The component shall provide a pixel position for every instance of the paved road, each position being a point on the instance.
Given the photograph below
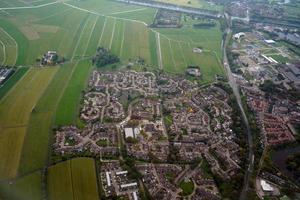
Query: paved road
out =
(236, 92)
(173, 7)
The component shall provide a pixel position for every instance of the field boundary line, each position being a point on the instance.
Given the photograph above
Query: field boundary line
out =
(16, 44)
(122, 42)
(78, 41)
(158, 51)
(50, 16)
(173, 59)
(128, 11)
(89, 40)
(184, 59)
(112, 34)
(29, 7)
(103, 28)
(4, 52)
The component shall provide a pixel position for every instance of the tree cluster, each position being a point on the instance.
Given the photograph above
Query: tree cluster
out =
(104, 57)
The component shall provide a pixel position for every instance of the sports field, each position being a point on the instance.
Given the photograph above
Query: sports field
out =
(73, 179)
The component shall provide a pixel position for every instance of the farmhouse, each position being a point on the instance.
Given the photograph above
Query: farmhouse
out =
(50, 58)
(193, 71)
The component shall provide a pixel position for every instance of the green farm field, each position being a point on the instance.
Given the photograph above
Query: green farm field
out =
(15, 110)
(20, 189)
(73, 179)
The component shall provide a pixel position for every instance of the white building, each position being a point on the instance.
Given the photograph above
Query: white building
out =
(131, 132)
(266, 186)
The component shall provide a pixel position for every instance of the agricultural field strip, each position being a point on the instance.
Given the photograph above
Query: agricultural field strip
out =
(181, 50)
(49, 16)
(65, 88)
(122, 43)
(104, 25)
(128, 11)
(172, 55)
(78, 41)
(88, 42)
(30, 7)
(16, 44)
(112, 35)
(157, 37)
(4, 53)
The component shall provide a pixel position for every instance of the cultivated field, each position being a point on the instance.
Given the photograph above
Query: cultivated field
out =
(20, 189)
(9, 49)
(73, 179)
(15, 110)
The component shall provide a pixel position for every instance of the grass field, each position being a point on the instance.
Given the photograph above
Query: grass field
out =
(36, 143)
(9, 48)
(15, 110)
(73, 179)
(20, 189)
(187, 187)
(68, 107)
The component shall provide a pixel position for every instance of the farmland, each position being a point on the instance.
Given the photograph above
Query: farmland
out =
(73, 179)
(20, 189)
(9, 49)
(15, 111)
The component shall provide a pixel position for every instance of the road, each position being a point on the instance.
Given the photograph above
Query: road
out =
(236, 92)
(172, 7)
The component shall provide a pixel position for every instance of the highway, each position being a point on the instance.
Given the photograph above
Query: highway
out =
(236, 92)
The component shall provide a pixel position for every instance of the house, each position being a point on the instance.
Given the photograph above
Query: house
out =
(50, 58)
(193, 71)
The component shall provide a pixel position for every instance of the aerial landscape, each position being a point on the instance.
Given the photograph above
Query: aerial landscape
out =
(149, 99)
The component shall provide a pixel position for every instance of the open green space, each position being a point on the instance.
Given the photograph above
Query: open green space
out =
(28, 187)
(15, 110)
(68, 107)
(279, 58)
(187, 187)
(73, 179)
(36, 143)
(12, 81)
(9, 48)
